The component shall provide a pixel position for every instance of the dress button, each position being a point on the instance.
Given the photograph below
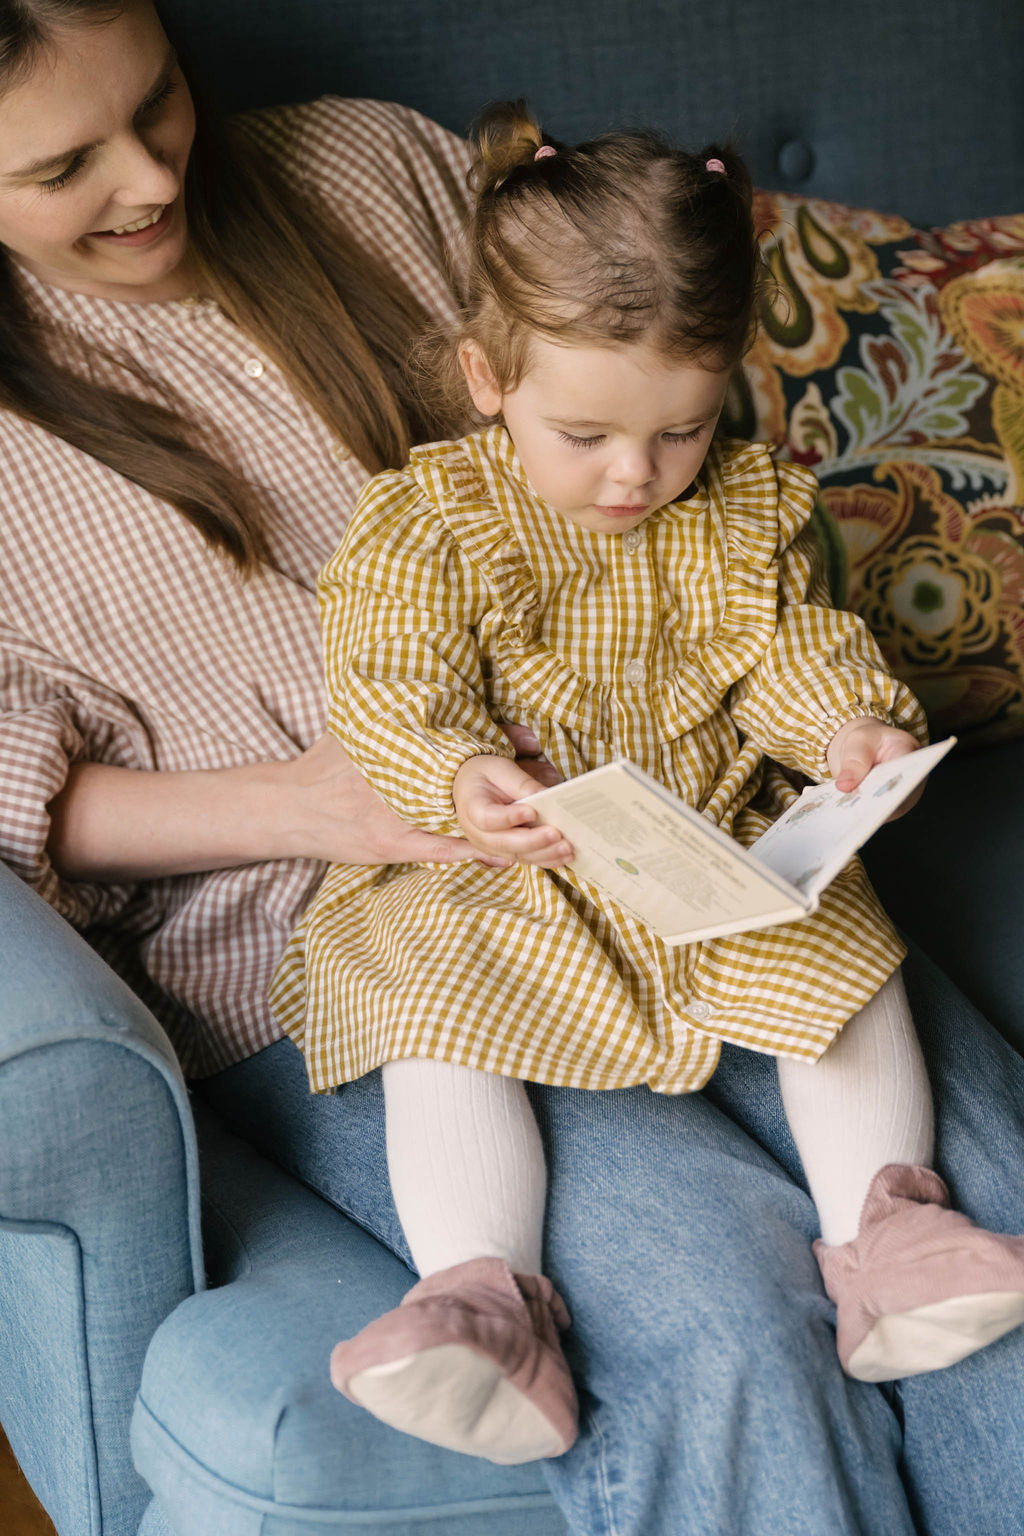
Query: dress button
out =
(190, 300)
(632, 540)
(635, 672)
(341, 453)
(254, 367)
(699, 1010)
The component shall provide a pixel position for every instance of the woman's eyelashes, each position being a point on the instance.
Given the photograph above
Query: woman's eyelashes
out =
(157, 99)
(54, 183)
(148, 109)
(666, 437)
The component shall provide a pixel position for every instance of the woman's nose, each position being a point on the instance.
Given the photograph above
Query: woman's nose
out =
(144, 178)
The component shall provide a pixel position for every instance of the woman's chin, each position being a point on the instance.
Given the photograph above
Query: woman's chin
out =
(138, 274)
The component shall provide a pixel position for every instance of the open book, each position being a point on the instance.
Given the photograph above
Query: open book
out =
(674, 870)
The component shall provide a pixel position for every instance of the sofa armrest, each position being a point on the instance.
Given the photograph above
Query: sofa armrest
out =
(99, 1212)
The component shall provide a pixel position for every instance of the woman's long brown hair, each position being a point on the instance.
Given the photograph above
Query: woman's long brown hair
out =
(337, 321)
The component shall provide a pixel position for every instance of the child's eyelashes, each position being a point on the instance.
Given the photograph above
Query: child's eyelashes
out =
(666, 437)
(580, 442)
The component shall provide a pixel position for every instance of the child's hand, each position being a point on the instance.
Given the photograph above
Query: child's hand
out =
(487, 792)
(861, 744)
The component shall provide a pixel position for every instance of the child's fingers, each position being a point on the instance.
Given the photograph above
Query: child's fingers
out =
(543, 846)
(492, 815)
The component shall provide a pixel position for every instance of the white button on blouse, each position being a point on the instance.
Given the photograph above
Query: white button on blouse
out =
(632, 540)
(254, 368)
(635, 671)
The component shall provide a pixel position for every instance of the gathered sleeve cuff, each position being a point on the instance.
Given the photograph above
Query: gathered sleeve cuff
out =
(823, 667)
(406, 692)
(43, 731)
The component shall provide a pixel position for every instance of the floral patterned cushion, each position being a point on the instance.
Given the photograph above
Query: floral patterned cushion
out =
(891, 359)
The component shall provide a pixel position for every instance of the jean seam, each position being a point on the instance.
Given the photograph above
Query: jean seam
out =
(603, 1479)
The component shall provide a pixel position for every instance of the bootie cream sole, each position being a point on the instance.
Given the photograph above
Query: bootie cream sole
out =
(931, 1337)
(458, 1399)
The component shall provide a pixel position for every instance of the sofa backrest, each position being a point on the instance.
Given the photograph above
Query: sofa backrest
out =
(911, 106)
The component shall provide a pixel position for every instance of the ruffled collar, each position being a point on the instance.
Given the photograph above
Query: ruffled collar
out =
(737, 489)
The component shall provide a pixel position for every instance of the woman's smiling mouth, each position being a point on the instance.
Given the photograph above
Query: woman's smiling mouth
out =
(139, 231)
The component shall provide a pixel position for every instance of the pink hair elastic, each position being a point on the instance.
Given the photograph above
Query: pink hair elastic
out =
(545, 152)
(715, 165)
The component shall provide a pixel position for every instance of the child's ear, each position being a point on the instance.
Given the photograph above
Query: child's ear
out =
(483, 386)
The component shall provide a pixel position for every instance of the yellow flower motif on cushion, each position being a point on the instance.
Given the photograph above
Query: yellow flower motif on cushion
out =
(869, 519)
(950, 592)
(985, 312)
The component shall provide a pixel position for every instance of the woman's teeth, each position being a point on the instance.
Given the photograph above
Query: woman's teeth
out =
(130, 229)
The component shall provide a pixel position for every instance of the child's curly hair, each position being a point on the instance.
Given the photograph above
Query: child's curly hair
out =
(618, 239)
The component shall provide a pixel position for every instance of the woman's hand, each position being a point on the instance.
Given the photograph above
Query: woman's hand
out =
(488, 794)
(111, 824)
(335, 815)
(859, 745)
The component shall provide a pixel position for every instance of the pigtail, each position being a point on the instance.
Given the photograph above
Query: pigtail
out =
(722, 221)
(721, 171)
(506, 137)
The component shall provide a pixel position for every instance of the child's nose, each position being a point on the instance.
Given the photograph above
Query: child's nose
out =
(633, 466)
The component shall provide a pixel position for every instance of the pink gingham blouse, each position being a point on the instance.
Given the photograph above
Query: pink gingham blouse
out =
(124, 640)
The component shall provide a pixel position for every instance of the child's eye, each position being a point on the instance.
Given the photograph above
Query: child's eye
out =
(54, 183)
(685, 437)
(581, 442)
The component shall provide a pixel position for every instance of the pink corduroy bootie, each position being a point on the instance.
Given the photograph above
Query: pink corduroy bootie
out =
(470, 1361)
(920, 1286)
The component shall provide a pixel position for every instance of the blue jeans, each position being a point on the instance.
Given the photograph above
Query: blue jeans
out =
(679, 1233)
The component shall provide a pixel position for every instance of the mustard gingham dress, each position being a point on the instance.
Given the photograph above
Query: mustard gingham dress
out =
(697, 645)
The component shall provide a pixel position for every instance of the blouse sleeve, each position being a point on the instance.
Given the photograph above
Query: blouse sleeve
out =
(43, 730)
(406, 693)
(397, 179)
(823, 667)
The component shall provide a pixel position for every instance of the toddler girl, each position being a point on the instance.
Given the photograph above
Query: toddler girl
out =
(597, 566)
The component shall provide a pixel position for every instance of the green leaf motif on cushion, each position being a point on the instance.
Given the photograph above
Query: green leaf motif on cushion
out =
(914, 386)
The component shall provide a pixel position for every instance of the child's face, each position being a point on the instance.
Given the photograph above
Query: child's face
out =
(606, 435)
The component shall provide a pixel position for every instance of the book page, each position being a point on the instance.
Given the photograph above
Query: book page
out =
(817, 836)
(662, 861)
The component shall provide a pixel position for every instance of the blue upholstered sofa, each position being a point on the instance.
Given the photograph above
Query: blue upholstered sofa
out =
(112, 1313)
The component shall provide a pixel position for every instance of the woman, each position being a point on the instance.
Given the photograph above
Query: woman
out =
(189, 410)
